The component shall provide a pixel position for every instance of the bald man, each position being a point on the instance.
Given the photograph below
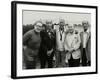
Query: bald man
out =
(31, 45)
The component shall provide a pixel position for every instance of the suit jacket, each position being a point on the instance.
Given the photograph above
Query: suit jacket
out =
(87, 49)
(75, 54)
(47, 42)
(72, 43)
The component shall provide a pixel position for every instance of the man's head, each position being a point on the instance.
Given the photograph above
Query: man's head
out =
(61, 23)
(70, 28)
(85, 25)
(38, 26)
(49, 24)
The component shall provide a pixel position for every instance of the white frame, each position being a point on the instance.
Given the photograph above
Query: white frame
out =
(59, 8)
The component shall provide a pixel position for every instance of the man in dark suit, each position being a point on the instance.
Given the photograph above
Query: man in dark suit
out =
(84, 39)
(47, 47)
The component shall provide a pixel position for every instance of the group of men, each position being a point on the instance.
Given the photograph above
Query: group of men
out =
(54, 47)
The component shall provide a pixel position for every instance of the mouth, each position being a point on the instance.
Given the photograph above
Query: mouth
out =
(38, 30)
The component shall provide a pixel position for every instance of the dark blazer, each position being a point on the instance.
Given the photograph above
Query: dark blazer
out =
(88, 47)
(47, 42)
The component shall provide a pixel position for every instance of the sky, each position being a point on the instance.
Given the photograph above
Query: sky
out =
(29, 17)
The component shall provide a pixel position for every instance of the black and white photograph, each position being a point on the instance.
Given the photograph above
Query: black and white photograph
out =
(56, 39)
(53, 39)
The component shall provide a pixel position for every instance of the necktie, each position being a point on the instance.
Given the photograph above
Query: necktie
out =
(49, 33)
(61, 32)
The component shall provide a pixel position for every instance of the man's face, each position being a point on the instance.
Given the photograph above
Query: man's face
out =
(61, 24)
(71, 30)
(85, 26)
(38, 27)
(49, 25)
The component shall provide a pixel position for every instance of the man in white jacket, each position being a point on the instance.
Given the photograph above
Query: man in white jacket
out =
(72, 47)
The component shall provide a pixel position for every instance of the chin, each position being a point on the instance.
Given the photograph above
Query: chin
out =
(37, 31)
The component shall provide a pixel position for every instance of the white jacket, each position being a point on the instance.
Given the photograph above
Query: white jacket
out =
(72, 42)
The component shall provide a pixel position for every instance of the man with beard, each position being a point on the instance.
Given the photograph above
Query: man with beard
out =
(47, 45)
(31, 42)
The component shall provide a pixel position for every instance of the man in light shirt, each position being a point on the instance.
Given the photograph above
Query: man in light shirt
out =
(60, 51)
(72, 45)
(84, 38)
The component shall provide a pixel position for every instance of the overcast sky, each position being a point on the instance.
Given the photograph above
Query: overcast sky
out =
(29, 17)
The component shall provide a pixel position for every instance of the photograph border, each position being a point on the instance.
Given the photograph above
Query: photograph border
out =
(14, 37)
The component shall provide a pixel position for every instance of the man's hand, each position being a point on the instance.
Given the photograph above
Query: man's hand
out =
(49, 52)
(30, 58)
(24, 47)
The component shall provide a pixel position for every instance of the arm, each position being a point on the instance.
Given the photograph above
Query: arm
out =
(26, 37)
(54, 44)
(54, 40)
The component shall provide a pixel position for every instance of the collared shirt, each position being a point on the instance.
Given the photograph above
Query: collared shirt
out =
(60, 37)
(85, 39)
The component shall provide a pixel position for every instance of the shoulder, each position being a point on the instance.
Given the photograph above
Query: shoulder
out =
(30, 32)
(78, 36)
(81, 33)
(43, 32)
(67, 35)
(86, 33)
(54, 31)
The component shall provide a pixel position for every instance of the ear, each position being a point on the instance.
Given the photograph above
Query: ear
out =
(34, 26)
